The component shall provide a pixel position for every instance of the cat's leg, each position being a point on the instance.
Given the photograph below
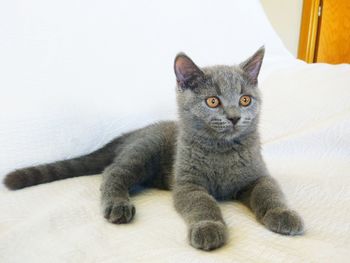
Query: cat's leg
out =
(207, 229)
(127, 170)
(266, 200)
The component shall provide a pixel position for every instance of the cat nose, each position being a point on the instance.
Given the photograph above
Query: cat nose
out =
(234, 120)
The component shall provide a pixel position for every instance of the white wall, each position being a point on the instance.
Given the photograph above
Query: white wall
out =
(285, 17)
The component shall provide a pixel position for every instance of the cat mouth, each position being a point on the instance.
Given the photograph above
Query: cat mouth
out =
(232, 129)
(227, 129)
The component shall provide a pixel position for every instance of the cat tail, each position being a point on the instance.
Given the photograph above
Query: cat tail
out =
(89, 164)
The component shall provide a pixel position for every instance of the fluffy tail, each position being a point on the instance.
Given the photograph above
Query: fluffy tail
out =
(92, 163)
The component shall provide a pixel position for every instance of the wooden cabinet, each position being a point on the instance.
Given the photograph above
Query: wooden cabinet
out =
(325, 31)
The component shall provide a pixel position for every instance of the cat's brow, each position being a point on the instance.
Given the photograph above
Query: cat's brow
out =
(240, 87)
(217, 89)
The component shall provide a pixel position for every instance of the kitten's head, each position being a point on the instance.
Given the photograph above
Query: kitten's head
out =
(220, 101)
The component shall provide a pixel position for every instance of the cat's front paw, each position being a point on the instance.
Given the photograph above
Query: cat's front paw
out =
(207, 235)
(283, 221)
(119, 212)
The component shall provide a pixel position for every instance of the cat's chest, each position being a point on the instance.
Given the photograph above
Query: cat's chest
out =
(225, 173)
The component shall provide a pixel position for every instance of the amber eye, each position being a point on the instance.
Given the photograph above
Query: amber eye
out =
(213, 102)
(245, 100)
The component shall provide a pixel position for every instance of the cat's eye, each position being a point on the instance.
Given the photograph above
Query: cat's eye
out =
(213, 102)
(245, 100)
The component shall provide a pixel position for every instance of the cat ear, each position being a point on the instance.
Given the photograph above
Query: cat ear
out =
(253, 64)
(186, 71)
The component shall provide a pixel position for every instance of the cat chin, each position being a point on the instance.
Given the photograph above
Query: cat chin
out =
(233, 133)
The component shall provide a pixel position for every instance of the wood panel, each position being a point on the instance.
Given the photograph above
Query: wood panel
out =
(308, 30)
(333, 41)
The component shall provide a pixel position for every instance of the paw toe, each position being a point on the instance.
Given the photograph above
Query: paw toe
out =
(207, 235)
(119, 212)
(284, 221)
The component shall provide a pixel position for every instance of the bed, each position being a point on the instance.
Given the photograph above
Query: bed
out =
(76, 74)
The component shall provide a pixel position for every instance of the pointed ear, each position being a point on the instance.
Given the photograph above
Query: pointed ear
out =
(253, 64)
(186, 71)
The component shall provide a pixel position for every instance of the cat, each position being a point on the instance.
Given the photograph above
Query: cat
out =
(212, 152)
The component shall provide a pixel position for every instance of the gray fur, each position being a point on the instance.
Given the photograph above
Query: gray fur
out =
(203, 157)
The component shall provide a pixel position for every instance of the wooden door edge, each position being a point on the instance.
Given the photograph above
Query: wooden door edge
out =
(308, 30)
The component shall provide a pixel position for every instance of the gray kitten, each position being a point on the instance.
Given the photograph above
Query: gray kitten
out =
(212, 152)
